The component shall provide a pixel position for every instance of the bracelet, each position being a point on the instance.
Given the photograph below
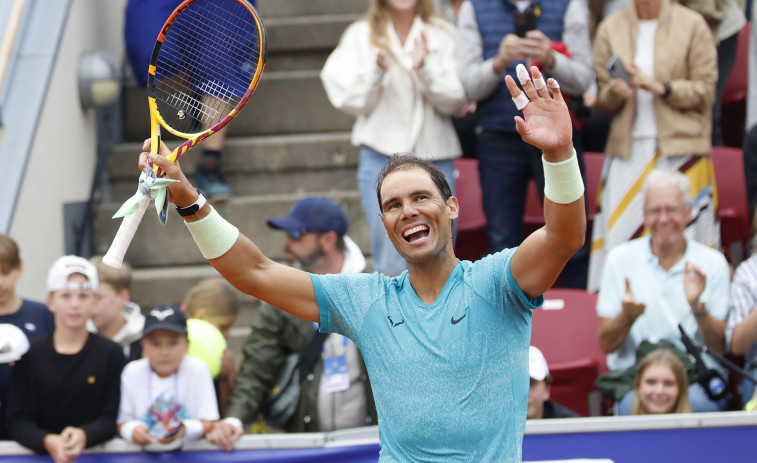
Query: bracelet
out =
(562, 180)
(213, 234)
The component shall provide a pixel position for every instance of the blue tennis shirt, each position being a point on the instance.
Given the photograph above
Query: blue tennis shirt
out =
(450, 379)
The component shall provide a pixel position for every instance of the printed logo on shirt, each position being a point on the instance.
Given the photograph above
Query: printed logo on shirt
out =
(455, 321)
(91, 380)
(395, 324)
(31, 327)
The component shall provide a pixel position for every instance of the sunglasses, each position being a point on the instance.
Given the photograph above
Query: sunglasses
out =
(296, 235)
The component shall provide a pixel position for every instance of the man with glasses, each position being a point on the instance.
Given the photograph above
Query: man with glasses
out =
(315, 242)
(652, 284)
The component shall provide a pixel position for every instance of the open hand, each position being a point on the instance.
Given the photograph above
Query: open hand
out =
(694, 281)
(546, 121)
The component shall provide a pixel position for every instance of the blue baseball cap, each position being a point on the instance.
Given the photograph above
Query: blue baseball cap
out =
(313, 214)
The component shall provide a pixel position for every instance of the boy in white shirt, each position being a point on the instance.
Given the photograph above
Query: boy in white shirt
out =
(167, 396)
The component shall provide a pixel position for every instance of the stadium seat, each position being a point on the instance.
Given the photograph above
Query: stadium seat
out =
(533, 214)
(471, 242)
(733, 211)
(565, 330)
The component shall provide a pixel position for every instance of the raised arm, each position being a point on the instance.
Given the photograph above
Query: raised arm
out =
(546, 124)
(234, 256)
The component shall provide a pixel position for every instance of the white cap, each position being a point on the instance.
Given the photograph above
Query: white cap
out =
(13, 343)
(64, 267)
(537, 364)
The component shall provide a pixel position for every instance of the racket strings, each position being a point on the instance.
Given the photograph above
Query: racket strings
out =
(207, 62)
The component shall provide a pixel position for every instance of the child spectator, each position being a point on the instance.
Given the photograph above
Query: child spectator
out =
(539, 405)
(167, 395)
(63, 395)
(114, 316)
(662, 385)
(33, 318)
(212, 307)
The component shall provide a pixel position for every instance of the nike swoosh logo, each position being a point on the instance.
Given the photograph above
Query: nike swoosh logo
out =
(455, 322)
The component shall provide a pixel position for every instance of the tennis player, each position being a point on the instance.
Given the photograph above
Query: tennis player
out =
(446, 342)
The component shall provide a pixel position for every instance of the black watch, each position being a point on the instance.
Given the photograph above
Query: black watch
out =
(667, 88)
(193, 208)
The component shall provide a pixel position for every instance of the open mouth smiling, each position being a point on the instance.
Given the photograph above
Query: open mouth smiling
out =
(415, 233)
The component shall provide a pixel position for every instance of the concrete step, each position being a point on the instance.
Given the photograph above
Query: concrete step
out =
(172, 245)
(278, 8)
(275, 153)
(284, 103)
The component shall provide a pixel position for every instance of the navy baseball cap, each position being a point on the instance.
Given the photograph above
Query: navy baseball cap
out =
(313, 214)
(165, 317)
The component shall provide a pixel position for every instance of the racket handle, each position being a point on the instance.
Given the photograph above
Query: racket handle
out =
(115, 255)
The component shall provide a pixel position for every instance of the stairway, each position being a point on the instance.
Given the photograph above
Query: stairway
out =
(288, 142)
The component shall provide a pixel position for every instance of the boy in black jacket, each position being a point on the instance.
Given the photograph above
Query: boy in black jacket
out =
(64, 393)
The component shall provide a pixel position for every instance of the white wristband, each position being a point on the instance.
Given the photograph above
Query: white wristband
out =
(195, 430)
(213, 234)
(562, 180)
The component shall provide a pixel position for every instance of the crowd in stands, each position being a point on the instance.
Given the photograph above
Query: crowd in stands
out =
(90, 365)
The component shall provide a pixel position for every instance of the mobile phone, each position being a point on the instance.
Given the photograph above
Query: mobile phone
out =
(524, 22)
(617, 69)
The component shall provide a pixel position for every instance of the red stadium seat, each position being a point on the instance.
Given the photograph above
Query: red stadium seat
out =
(565, 330)
(733, 211)
(533, 215)
(471, 241)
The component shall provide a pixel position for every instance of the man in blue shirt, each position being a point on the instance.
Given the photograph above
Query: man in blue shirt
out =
(446, 342)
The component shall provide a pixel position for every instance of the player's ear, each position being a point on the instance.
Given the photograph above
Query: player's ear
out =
(454, 207)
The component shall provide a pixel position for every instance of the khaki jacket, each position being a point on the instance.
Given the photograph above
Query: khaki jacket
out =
(685, 57)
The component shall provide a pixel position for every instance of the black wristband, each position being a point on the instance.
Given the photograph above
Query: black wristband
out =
(193, 208)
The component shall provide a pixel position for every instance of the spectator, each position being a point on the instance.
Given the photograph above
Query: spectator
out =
(168, 396)
(315, 241)
(661, 385)
(650, 285)
(33, 318)
(394, 70)
(661, 118)
(63, 395)
(539, 405)
(741, 328)
(488, 48)
(114, 316)
(414, 331)
(212, 307)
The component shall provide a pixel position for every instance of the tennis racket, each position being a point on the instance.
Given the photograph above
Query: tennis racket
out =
(204, 68)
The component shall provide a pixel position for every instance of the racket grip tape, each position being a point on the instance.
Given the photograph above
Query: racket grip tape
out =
(115, 255)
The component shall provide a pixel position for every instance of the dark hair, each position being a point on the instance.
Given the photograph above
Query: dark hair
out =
(405, 161)
(9, 255)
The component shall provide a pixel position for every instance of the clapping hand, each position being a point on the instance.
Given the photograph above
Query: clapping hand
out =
(694, 281)
(630, 306)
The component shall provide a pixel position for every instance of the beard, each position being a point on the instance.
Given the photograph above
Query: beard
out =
(305, 262)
